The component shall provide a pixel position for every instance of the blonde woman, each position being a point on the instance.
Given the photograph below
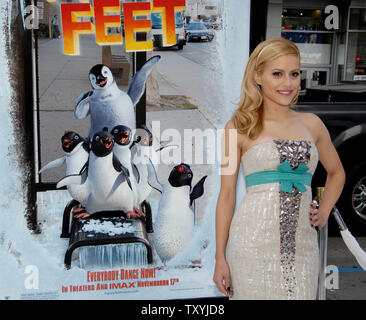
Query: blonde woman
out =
(272, 241)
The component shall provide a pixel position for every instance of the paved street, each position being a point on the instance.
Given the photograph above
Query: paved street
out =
(352, 279)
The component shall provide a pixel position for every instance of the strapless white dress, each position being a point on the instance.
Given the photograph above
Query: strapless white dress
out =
(273, 250)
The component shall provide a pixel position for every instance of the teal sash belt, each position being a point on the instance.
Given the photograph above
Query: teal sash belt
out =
(284, 175)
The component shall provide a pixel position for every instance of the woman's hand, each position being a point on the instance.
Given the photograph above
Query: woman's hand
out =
(317, 219)
(222, 277)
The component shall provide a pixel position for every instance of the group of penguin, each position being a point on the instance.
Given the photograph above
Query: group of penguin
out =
(112, 169)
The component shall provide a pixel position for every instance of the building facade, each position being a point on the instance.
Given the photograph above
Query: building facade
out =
(203, 8)
(331, 51)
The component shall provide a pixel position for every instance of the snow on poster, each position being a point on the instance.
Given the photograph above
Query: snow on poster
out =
(124, 208)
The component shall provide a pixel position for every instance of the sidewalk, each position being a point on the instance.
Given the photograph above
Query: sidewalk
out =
(202, 84)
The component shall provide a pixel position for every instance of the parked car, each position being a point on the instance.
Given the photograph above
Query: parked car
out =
(216, 24)
(198, 31)
(207, 23)
(342, 108)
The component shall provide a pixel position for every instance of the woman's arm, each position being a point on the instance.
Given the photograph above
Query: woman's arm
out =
(329, 158)
(231, 153)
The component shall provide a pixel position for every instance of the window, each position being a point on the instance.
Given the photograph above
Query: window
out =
(357, 19)
(356, 57)
(356, 51)
(306, 28)
(303, 19)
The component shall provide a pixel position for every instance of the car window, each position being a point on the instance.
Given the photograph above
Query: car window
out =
(156, 20)
(196, 26)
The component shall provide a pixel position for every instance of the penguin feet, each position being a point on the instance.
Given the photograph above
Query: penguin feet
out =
(135, 213)
(195, 264)
(161, 268)
(80, 213)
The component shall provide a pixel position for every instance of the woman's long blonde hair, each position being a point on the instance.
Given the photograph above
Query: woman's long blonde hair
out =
(248, 116)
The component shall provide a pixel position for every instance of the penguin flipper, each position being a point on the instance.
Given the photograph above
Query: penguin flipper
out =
(53, 164)
(84, 168)
(137, 86)
(119, 180)
(192, 206)
(197, 190)
(136, 172)
(167, 147)
(81, 110)
(119, 167)
(152, 178)
(71, 179)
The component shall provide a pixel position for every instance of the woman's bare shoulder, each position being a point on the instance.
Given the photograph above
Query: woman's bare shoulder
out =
(242, 139)
(314, 123)
(311, 118)
(230, 124)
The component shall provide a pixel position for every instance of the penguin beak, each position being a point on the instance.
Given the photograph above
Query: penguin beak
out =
(66, 143)
(145, 141)
(101, 81)
(106, 142)
(181, 170)
(124, 139)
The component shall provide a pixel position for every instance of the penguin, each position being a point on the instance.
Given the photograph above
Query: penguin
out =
(142, 143)
(107, 105)
(76, 149)
(145, 146)
(122, 136)
(108, 180)
(146, 157)
(144, 177)
(174, 225)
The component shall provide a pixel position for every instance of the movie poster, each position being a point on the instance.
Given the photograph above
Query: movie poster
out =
(94, 161)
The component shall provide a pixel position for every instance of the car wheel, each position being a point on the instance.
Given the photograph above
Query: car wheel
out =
(352, 203)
